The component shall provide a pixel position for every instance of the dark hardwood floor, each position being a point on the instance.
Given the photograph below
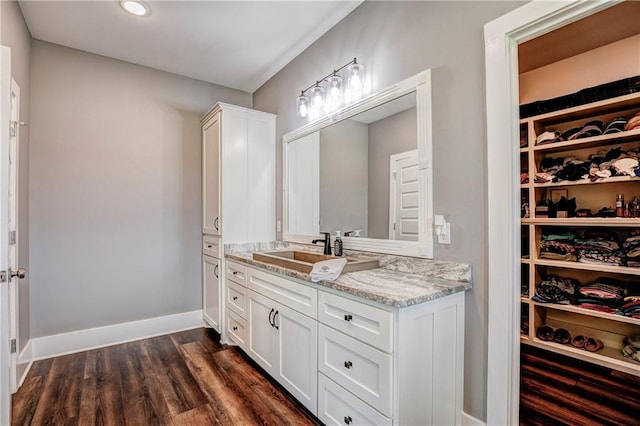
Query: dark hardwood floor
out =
(185, 378)
(558, 390)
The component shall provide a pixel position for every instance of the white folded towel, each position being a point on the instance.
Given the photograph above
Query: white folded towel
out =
(327, 270)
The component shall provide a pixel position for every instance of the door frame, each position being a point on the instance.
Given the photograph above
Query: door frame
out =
(502, 37)
(14, 213)
(5, 117)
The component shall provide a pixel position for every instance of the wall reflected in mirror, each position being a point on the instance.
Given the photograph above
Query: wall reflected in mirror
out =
(358, 174)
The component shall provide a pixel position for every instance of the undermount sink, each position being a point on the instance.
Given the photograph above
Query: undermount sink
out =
(303, 261)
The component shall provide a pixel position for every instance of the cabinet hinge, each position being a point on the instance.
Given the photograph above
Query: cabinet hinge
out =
(3, 276)
(14, 349)
(12, 237)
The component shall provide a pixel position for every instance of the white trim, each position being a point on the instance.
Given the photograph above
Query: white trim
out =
(25, 361)
(421, 85)
(501, 55)
(93, 338)
(468, 420)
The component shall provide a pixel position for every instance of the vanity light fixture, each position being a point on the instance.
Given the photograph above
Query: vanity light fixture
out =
(318, 103)
(135, 7)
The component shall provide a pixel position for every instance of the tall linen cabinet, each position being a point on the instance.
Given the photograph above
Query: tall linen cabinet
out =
(238, 193)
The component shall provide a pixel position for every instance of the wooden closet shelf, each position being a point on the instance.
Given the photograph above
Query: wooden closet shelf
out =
(584, 221)
(589, 312)
(588, 267)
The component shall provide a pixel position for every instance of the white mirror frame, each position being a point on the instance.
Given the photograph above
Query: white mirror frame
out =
(421, 84)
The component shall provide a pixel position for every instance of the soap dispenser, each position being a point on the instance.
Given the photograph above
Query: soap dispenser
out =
(337, 244)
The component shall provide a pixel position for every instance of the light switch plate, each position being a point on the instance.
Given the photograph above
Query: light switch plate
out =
(445, 237)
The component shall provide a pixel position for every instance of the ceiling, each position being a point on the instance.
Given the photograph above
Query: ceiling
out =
(238, 44)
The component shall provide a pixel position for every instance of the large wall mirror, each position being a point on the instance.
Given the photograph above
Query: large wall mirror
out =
(366, 171)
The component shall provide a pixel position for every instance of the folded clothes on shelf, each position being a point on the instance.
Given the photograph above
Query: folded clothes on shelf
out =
(556, 289)
(632, 249)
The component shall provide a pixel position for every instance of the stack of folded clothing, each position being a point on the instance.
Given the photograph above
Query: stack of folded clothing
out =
(632, 249)
(602, 295)
(558, 246)
(631, 347)
(630, 309)
(556, 289)
(605, 163)
(599, 247)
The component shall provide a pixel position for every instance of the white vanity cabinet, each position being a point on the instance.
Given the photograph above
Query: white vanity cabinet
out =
(238, 190)
(354, 361)
(283, 333)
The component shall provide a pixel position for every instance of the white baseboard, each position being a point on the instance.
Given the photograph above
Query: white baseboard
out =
(93, 338)
(468, 420)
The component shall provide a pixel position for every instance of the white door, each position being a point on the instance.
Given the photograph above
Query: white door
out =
(211, 176)
(261, 339)
(297, 355)
(5, 117)
(211, 291)
(404, 196)
(303, 185)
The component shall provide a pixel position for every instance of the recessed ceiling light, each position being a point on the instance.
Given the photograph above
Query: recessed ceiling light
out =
(135, 7)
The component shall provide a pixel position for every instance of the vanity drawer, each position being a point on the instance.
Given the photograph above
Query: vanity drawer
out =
(236, 272)
(236, 328)
(368, 323)
(336, 406)
(211, 246)
(296, 296)
(359, 368)
(237, 298)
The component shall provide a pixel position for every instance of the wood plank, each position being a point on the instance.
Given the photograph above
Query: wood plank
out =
(230, 407)
(101, 401)
(203, 415)
(180, 389)
(142, 397)
(25, 400)
(556, 398)
(60, 399)
(41, 368)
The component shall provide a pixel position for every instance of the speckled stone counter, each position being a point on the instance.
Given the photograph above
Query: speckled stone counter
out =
(399, 281)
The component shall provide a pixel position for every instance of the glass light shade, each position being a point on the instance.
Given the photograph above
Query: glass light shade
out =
(355, 82)
(317, 102)
(334, 93)
(302, 105)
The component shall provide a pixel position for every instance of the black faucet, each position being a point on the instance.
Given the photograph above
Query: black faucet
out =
(327, 242)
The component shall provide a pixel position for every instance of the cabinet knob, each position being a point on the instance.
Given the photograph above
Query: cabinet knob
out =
(235, 297)
(347, 420)
(209, 246)
(348, 317)
(235, 272)
(348, 364)
(235, 328)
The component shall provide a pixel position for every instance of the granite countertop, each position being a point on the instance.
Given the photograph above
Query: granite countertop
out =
(399, 281)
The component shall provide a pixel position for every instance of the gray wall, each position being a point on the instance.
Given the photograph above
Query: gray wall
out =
(343, 177)
(392, 135)
(15, 35)
(395, 40)
(115, 190)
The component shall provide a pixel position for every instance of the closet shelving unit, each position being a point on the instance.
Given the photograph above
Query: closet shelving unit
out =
(609, 328)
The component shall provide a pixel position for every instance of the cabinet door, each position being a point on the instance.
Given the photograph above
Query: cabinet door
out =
(211, 176)
(297, 363)
(261, 343)
(211, 291)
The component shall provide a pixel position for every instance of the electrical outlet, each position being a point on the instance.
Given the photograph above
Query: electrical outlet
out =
(445, 236)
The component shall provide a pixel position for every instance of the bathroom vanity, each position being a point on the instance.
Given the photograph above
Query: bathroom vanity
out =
(381, 346)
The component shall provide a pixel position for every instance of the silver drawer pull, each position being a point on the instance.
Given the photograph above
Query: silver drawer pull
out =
(348, 364)
(348, 317)
(235, 297)
(347, 420)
